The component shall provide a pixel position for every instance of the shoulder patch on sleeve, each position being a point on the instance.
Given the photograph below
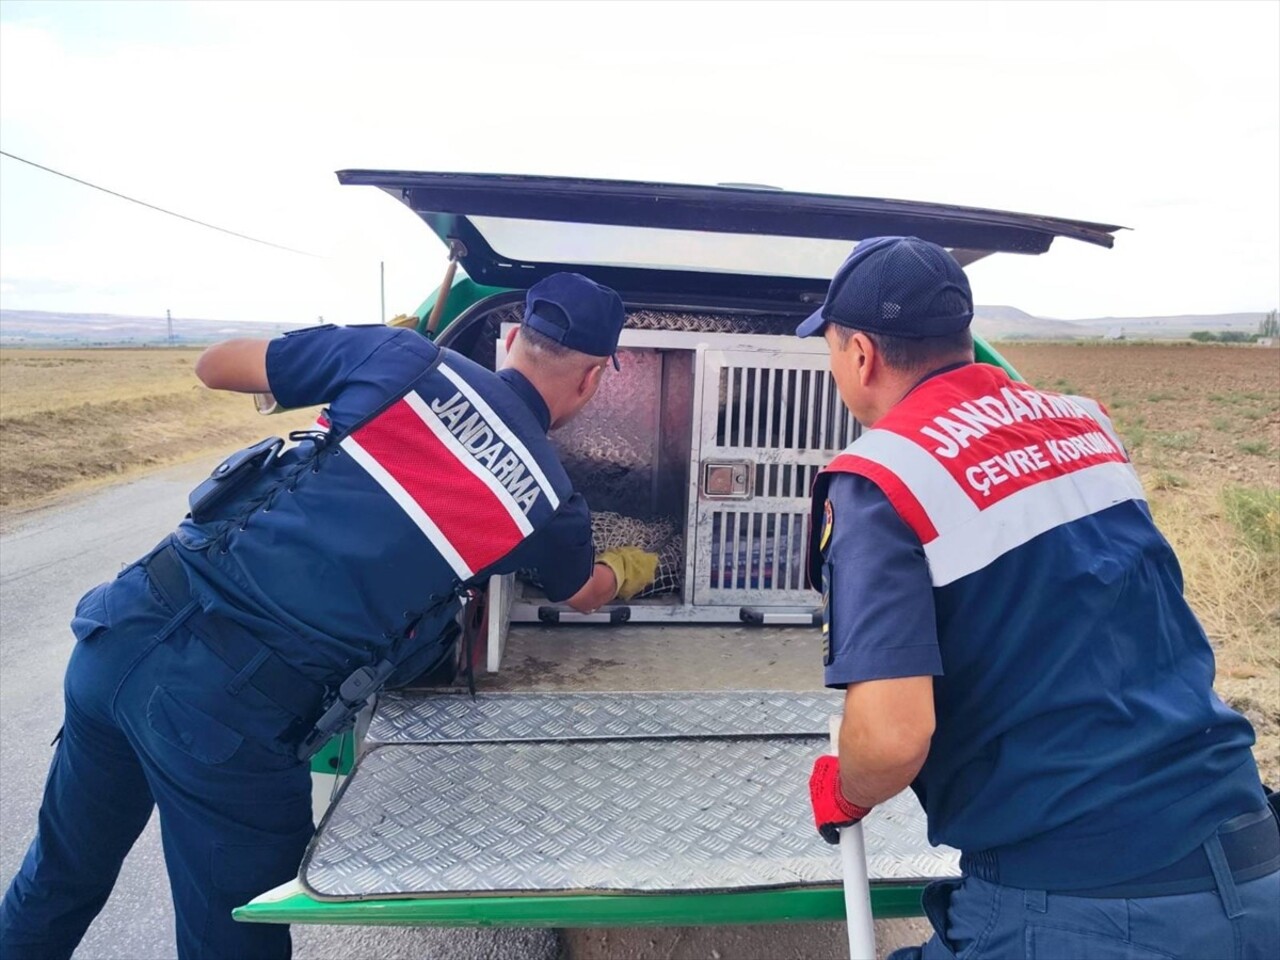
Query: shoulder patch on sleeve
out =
(828, 519)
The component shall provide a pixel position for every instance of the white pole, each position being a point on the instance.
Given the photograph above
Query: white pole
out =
(857, 888)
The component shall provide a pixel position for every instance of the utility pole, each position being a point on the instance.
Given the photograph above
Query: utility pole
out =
(382, 286)
(168, 319)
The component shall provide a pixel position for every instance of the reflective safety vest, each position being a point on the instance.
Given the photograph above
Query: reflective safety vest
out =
(1078, 739)
(978, 464)
(356, 542)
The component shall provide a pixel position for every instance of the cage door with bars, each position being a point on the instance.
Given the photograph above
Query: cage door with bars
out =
(770, 418)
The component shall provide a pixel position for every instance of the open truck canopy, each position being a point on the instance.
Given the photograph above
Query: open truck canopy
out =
(655, 239)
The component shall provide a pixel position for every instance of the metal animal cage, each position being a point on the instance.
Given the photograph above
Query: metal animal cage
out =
(711, 435)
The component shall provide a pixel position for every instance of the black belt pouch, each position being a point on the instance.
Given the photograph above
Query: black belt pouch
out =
(230, 477)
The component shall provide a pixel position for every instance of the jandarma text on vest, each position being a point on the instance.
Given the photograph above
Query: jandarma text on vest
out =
(482, 442)
(974, 419)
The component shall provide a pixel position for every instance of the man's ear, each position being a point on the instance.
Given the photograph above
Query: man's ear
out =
(511, 337)
(866, 361)
(590, 380)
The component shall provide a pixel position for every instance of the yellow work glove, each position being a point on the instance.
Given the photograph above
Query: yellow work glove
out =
(634, 569)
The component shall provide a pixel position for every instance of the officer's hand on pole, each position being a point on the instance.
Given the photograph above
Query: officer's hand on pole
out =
(633, 568)
(831, 809)
(840, 822)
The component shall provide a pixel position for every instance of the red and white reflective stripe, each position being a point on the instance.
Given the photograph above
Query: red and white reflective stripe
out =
(931, 484)
(962, 532)
(459, 452)
(965, 548)
(410, 507)
(503, 431)
(897, 492)
(455, 508)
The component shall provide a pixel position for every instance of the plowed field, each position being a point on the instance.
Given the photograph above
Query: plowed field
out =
(1202, 424)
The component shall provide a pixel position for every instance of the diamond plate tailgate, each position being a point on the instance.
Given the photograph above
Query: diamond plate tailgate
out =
(404, 718)
(699, 805)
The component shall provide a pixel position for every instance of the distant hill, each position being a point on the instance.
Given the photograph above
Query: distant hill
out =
(1177, 326)
(36, 328)
(1010, 323)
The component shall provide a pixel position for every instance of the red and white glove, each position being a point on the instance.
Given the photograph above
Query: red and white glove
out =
(831, 809)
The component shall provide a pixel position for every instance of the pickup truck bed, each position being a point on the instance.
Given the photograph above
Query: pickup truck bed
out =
(590, 807)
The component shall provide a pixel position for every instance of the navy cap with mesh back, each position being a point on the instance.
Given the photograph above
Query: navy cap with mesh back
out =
(901, 286)
(577, 313)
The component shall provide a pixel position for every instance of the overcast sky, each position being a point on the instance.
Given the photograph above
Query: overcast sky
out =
(1162, 117)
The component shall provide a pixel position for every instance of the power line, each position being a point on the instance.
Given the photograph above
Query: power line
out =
(152, 206)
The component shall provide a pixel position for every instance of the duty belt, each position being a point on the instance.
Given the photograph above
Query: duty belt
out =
(1250, 848)
(234, 645)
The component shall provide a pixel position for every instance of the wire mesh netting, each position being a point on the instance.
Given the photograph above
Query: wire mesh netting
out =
(661, 536)
(760, 323)
(757, 323)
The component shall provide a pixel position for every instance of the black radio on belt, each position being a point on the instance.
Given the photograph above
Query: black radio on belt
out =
(349, 699)
(230, 477)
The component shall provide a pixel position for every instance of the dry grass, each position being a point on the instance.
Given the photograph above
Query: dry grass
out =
(1233, 583)
(73, 418)
(1202, 424)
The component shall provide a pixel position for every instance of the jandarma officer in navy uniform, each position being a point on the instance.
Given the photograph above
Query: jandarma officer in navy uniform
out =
(205, 673)
(1009, 629)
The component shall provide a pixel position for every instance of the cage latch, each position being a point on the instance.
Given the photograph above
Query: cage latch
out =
(727, 479)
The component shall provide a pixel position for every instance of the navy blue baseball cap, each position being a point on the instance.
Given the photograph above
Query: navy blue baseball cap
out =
(901, 286)
(577, 313)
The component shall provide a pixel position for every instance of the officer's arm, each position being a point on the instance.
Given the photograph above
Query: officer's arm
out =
(599, 590)
(884, 738)
(239, 365)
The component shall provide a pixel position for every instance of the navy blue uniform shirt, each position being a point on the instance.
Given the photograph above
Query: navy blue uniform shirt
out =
(881, 616)
(322, 593)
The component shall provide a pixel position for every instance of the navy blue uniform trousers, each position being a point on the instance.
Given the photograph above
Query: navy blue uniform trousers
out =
(976, 919)
(155, 719)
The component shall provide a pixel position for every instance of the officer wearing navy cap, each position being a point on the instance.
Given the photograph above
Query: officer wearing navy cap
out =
(207, 672)
(1009, 629)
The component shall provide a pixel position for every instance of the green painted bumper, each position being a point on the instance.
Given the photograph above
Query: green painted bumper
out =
(337, 756)
(291, 904)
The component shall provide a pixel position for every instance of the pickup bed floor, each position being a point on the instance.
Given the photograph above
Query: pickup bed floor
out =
(519, 794)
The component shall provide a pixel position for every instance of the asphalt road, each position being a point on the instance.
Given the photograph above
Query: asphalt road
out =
(47, 560)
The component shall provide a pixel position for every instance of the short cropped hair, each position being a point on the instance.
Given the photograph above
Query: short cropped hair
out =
(911, 354)
(542, 345)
